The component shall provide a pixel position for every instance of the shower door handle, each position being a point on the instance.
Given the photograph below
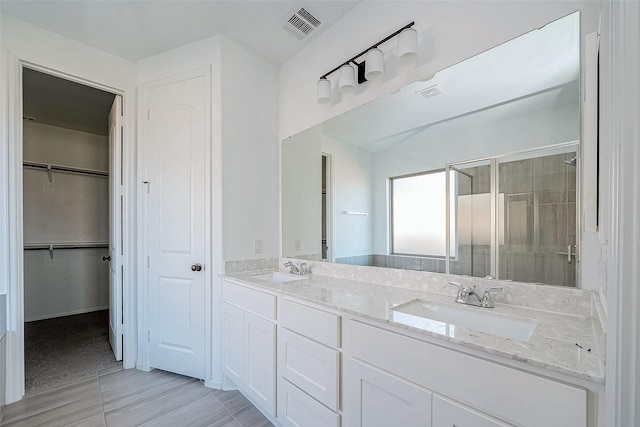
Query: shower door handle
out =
(569, 253)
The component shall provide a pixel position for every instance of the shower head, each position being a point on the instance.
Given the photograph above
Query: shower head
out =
(572, 162)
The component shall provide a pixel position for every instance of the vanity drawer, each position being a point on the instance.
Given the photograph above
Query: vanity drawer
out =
(447, 413)
(251, 300)
(309, 365)
(493, 388)
(297, 409)
(311, 322)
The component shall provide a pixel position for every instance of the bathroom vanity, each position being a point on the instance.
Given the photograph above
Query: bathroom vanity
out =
(322, 350)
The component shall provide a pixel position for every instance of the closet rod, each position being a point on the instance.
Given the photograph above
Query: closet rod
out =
(68, 169)
(37, 246)
(51, 248)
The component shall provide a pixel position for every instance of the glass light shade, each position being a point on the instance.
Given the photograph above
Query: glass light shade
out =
(374, 64)
(323, 91)
(347, 78)
(407, 45)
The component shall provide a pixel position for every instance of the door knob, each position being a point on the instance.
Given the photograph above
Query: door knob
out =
(196, 267)
(106, 258)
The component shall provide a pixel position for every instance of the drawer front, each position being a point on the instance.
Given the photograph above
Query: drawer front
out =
(311, 322)
(448, 413)
(297, 409)
(309, 365)
(495, 389)
(251, 300)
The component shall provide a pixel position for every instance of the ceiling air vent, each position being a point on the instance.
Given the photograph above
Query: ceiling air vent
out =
(429, 92)
(301, 23)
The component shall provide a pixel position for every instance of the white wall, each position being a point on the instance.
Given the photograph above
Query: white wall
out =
(250, 150)
(72, 208)
(24, 43)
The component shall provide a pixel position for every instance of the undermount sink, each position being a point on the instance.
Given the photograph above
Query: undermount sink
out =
(444, 319)
(277, 277)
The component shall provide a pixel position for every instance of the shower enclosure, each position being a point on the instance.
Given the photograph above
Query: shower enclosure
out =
(514, 217)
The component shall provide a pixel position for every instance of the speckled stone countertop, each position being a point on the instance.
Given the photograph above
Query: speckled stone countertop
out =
(567, 343)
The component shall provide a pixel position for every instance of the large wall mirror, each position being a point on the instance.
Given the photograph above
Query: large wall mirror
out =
(473, 171)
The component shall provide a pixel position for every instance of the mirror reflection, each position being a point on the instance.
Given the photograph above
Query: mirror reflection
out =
(472, 172)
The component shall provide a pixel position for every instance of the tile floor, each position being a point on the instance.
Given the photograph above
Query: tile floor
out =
(130, 397)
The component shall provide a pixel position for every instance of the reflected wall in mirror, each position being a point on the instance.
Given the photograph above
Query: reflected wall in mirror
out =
(500, 122)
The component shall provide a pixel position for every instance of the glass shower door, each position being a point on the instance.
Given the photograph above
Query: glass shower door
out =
(470, 218)
(540, 217)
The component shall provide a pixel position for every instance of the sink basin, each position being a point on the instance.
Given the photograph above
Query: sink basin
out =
(444, 319)
(277, 277)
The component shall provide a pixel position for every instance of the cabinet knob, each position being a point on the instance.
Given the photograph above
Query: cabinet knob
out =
(106, 258)
(196, 267)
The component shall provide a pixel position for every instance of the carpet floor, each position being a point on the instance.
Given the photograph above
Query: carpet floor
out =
(66, 349)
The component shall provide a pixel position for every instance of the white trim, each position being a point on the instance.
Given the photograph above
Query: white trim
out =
(623, 295)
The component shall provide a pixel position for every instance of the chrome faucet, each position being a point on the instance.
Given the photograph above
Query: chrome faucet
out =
(467, 295)
(299, 269)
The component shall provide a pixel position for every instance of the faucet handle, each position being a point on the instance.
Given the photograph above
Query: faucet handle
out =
(456, 284)
(486, 300)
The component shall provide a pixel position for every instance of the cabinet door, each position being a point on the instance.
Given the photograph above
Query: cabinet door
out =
(378, 399)
(448, 413)
(233, 343)
(260, 363)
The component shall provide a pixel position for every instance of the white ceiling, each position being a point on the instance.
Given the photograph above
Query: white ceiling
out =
(135, 29)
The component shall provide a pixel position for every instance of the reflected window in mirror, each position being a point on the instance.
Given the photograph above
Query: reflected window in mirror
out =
(418, 214)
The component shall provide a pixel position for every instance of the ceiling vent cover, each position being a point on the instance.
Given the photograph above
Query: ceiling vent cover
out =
(301, 23)
(429, 92)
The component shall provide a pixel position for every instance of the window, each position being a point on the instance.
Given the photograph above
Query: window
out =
(418, 214)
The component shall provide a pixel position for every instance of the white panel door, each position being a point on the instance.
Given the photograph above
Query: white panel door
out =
(116, 246)
(177, 226)
(378, 399)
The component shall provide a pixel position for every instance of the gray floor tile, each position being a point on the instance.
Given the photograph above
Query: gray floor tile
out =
(249, 416)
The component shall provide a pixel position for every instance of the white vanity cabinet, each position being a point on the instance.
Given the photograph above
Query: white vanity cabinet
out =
(468, 390)
(249, 343)
(308, 365)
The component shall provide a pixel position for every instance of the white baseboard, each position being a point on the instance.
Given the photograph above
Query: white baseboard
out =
(67, 313)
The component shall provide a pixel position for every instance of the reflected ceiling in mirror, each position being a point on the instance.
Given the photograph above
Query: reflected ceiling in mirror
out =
(519, 96)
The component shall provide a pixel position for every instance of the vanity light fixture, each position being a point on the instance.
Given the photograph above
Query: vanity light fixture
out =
(373, 65)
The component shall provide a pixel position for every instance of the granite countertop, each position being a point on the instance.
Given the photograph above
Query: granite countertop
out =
(561, 342)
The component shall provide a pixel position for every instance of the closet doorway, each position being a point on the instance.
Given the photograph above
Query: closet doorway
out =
(72, 222)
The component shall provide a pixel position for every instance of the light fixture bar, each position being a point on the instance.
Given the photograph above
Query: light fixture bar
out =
(360, 66)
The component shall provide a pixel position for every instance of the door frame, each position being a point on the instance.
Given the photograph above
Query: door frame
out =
(212, 256)
(14, 189)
